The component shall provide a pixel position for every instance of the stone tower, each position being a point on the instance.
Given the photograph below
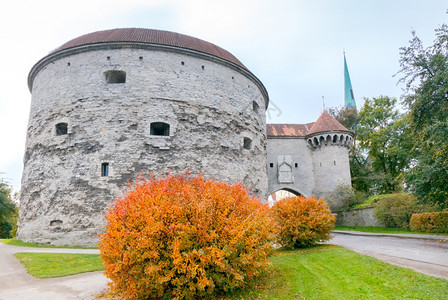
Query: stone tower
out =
(110, 105)
(329, 142)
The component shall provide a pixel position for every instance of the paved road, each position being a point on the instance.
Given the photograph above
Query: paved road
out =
(425, 254)
(16, 283)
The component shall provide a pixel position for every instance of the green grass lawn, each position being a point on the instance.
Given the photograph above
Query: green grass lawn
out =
(16, 242)
(383, 230)
(322, 272)
(46, 265)
(331, 272)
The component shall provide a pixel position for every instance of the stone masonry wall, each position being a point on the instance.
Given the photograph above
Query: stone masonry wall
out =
(208, 105)
(302, 173)
(358, 217)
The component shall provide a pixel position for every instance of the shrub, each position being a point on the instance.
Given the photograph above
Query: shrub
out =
(430, 222)
(302, 222)
(184, 237)
(343, 197)
(395, 210)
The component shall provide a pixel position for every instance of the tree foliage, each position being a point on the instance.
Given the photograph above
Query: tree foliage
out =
(381, 152)
(383, 133)
(8, 211)
(349, 117)
(425, 74)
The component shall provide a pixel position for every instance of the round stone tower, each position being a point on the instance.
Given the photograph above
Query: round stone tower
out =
(111, 105)
(330, 142)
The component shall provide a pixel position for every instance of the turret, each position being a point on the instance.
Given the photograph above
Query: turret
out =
(330, 142)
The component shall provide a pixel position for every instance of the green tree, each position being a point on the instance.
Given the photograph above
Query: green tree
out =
(349, 117)
(425, 74)
(8, 211)
(383, 135)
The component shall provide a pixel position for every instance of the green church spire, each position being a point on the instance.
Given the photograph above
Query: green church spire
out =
(349, 96)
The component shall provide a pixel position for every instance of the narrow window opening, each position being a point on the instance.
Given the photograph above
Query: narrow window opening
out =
(271, 165)
(203, 67)
(233, 77)
(334, 163)
(68, 64)
(108, 58)
(105, 169)
(247, 143)
(160, 128)
(141, 58)
(296, 165)
(56, 223)
(61, 128)
(255, 106)
(321, 164)
(115, 76)
(182, 63)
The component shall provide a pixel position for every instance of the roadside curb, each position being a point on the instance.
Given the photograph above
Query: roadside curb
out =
(441, 238)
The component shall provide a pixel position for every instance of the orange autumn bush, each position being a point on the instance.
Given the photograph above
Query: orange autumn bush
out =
(302, 222)
(430, 222)
(184, 237)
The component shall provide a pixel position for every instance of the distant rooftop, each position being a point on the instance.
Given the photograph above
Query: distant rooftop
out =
(324, 123)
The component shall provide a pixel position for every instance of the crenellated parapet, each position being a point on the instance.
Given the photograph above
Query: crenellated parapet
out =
(343, 139)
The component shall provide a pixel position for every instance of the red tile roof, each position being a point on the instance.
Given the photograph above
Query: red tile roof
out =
(324, 123)
(150, 36)
(288, 129)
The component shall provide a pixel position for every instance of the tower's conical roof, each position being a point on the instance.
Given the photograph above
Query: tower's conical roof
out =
(326, 123)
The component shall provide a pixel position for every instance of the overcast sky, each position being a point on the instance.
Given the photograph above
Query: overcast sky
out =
(294, 47)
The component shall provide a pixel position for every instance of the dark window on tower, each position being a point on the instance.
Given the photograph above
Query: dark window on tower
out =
(105, 169)
(271, 165)
(61, 128)
(247, 143)
(115, 76)
(296, 165)
(160, 128)
(56, 223)
(255, 106)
